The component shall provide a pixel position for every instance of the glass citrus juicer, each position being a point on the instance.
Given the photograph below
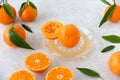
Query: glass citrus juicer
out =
(70, 41)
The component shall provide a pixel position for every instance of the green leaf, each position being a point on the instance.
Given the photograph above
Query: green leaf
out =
(106, 2)
(89, 72)
(112, 38)
(108, 48)
(32, 4)
(22, 7)
(107, 15)
(26, 28)
(17, 40)
(8, 10)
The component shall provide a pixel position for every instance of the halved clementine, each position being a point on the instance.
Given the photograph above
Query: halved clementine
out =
(50, 29)
(60, 73)
(37, 62)
(22, 75)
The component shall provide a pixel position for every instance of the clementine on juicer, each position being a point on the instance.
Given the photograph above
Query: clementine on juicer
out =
(69, 36)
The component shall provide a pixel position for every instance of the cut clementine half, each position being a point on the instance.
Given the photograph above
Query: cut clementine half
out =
(37, 62)
(50, 29)
(22, 75)
(69, 36)
(59, 73)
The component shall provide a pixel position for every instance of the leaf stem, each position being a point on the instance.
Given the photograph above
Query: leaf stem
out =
(114, 2)
(28, 1)
(106, 2)
(1, 1)
(6, 2)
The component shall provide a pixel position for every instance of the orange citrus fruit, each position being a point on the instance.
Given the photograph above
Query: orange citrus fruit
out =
(50, 29)
(29, 13)
(37, 62)
(22, 75)
(60, 73)
(69, 36)
(18, 29)
(114, 63)
(4, 17)
(115, 17)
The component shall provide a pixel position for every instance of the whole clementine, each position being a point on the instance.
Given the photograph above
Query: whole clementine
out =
(114, 63)
(115, 17)
(69, 36)
(4, 17)
(18, 29)
(28, 14)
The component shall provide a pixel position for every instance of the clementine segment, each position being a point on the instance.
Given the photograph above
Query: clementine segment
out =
(116, 14)
(60, 73)
(114, 63)
(29, 13)
(18, 29)
(69, 36)
(50, 29)
(22, 75)
(37, 62)
(4, 17)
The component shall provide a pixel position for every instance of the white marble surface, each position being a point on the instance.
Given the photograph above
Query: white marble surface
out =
(83, 13)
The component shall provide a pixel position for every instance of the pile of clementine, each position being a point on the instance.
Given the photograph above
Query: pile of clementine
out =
(27, 12)
(39, 62)
(68, 35)
(112, 13)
